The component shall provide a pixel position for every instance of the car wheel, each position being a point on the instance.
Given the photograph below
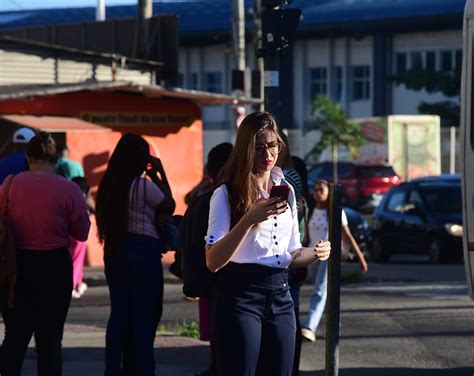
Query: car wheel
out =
(378, 253)
(435, 252)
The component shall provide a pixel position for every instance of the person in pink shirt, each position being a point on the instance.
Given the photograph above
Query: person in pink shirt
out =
(44, 211)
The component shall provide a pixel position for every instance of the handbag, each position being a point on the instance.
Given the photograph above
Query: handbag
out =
(7, 249)
(167, 228)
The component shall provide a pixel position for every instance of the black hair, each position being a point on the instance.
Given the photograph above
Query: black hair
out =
(42, 147)
(128, 162)
(217, 158)
(61, 147)
(82, 183)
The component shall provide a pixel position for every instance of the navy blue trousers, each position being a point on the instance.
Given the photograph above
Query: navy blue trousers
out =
(254, 321)
(135, 280)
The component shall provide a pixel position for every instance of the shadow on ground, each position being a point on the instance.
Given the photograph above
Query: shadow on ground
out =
(396, 372)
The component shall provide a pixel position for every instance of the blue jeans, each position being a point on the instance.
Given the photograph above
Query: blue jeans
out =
(319, 272)
(135, 279)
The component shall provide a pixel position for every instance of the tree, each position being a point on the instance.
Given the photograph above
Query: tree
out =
(335, 127)
(447, 83)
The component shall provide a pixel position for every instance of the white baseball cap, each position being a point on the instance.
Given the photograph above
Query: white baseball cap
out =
(23, 136)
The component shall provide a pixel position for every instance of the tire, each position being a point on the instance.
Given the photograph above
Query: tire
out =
(435, 252)
(378, 253)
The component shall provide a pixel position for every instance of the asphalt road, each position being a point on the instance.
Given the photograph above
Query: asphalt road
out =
(404, 318)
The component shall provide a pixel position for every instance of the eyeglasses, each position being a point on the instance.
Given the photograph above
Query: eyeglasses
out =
(274, 148)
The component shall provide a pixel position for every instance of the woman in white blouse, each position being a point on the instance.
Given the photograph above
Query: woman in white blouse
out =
(252, 239)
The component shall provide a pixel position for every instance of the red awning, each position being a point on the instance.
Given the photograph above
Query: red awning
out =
(54, 124)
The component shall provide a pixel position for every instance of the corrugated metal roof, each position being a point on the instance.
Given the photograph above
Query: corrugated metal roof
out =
(215, 15)
(150, 91)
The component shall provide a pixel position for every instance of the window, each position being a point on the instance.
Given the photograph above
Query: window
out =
(415, 203)
(318, 81)
(430, 62)
(193, 81)
(178, 82)
(396, 202)
(360, 82)
(401, 62)
(416, 60)
(446, 61)
(458, 59)
(214, 82)
(339, 84)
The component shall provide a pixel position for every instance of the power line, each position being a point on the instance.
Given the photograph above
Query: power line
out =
(16, 4)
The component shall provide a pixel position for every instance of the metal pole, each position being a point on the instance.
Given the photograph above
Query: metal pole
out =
(452, 151)
(271, 79)
(144, 12)
(334, 281)
(239, 33)
(100, 10)
(260, 63)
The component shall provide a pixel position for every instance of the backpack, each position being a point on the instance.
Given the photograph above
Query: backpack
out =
(7, 249)
(197, 278)
(168, 233)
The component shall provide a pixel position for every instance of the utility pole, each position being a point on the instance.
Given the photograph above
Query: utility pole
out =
(100, 10)
(144, 12)
(239, 33)
(278, 27)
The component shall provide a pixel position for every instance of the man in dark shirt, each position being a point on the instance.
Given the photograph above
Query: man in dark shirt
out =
(16, 162)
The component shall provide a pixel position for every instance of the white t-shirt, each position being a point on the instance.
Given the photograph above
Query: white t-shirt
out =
(270, 243)
(318, 226)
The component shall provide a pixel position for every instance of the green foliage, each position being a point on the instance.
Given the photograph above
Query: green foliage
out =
(189, 330)
(334, 125)
(447, 83)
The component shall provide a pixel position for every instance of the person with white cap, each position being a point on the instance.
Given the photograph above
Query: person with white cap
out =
(16, 162)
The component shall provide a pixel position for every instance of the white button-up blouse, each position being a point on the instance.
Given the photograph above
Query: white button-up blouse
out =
(271, 242)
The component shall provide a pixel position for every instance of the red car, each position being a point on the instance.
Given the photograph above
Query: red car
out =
(363, 184)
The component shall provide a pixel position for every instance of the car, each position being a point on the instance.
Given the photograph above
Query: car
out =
(363, 184)
(423, 216)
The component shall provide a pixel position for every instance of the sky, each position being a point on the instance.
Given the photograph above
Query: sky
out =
(6, 5)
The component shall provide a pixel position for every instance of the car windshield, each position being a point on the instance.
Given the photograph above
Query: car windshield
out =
(376, 171)
(442, 199)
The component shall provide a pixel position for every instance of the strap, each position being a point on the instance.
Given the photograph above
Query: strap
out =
(291, 197)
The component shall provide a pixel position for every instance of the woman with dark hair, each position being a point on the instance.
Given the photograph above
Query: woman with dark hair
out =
(318, 228)
(127, 205)
(252, 239)
(44, 211)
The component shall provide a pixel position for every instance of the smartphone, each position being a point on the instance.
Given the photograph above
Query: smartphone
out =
(281, 191)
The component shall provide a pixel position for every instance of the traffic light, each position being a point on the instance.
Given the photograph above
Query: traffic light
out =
(279, 28)
(275, 3)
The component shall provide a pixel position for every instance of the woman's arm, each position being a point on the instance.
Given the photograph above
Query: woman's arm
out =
(79, 229)
(167, 205)
(347, 236)
(220, 253)
(307, 255)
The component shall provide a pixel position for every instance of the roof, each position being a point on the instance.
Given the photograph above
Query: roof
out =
(53, 123)
(79, 54)
(150, 91)
(216, 15)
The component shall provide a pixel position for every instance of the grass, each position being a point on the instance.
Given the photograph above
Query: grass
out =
(188, 329)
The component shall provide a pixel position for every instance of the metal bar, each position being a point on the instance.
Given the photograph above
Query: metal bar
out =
(334, 281)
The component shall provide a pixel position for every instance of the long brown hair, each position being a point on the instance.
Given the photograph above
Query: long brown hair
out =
(242, 180)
